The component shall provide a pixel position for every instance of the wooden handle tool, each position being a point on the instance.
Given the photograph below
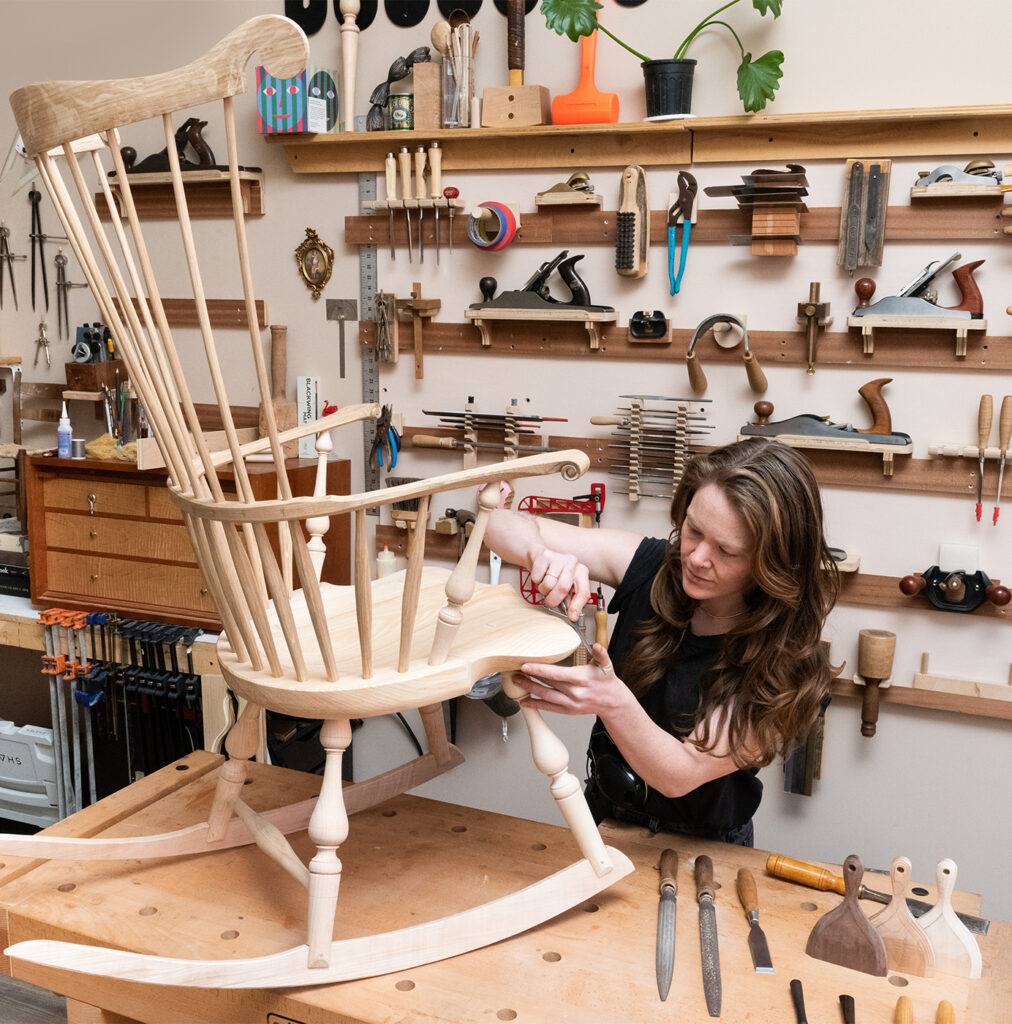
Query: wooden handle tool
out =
(946, 1014)
(798, 999)
(1004, 438)
(875, 649)
(390, 167)
(985, 412)
(904, 1013)
(404, 162)
(847, 1009)
(601, 621)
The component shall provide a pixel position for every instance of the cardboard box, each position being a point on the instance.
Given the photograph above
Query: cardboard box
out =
(306, 103)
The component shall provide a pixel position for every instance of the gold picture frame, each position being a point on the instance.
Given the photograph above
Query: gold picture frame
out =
(316, 262)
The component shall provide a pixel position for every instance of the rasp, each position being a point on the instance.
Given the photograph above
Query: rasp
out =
(709, 953)
(757, 946)
(666, 907)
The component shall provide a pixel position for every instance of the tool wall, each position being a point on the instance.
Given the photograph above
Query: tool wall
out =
(894, 524)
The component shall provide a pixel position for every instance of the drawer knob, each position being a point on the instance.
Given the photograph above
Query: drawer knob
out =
(93, 576)
(92, 498)
(93, 534)
(203, 591)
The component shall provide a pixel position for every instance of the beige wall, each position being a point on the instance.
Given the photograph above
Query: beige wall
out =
(929, 785)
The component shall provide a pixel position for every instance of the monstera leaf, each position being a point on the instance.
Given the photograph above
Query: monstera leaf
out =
(762, 6)
(574, 18)
(759, 79)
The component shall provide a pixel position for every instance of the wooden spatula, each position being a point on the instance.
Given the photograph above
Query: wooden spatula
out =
(844, 936)
(907, 947)
(956, 950)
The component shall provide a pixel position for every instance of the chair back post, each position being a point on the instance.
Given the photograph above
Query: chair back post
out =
(317, 526)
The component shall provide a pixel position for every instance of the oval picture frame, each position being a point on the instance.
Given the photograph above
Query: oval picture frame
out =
(316, 262)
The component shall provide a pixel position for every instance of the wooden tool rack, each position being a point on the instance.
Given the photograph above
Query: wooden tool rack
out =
(592, 965)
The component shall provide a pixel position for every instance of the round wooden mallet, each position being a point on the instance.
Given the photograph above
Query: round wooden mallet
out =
(875, 649)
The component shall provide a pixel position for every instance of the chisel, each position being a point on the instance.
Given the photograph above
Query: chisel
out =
(391, 176)
(404, 160)
(757, 946)
(819, 878)
(984, 413)
(432, 441)
(436, 185)
(421, 195)
(1004, 437)
(798, 998)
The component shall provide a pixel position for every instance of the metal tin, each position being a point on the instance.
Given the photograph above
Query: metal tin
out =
(401, 107)
(77, 449)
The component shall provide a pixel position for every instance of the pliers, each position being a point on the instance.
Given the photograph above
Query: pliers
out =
(386, 437)
(681, 211)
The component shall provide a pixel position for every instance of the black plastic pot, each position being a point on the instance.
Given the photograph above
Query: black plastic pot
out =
(668, 86)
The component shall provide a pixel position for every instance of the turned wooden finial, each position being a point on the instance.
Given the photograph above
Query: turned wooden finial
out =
(865, 289)
(763, 412)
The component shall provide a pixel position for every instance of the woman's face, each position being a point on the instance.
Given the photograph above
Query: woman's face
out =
(715, 547)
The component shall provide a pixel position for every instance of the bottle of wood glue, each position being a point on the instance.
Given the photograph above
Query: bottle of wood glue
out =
(386, 562)
(64, 435)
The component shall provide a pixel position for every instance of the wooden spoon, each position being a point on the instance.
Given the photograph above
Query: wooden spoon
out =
(440, 37)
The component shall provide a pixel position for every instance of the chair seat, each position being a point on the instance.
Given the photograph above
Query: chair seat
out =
(500, 631)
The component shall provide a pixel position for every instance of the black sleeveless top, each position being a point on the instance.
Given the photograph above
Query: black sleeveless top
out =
(715, 807)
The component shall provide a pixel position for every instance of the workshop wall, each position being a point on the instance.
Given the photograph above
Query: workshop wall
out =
(929, 784)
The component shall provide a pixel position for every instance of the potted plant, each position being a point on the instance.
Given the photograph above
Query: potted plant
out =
(669, 81)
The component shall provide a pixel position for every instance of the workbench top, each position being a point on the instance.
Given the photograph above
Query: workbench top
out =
(411, 860)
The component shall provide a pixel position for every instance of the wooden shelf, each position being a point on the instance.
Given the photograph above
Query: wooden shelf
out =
(208, 194)
(221, 312)
(942, 131)
(914, 697)
(867, 591)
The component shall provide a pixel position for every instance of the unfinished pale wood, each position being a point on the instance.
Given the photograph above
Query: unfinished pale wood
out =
(925, 680)
(591, 319)
(908, 949)
(960, 326)
(956, 950)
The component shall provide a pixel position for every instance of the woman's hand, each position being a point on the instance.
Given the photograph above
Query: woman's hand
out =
(561, 577)
(592, 689)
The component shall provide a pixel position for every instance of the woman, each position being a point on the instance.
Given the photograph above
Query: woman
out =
(715, 664)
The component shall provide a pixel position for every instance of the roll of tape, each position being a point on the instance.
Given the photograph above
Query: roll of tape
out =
(493, 232)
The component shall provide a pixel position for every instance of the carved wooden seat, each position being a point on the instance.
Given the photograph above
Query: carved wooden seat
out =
(289, 643)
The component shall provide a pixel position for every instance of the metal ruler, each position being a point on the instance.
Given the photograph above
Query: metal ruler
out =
(367, 285)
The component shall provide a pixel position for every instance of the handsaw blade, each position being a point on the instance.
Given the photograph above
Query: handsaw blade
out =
(665, 956)
(710, 955)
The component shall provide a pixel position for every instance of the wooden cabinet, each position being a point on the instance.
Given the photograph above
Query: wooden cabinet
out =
(105, 537)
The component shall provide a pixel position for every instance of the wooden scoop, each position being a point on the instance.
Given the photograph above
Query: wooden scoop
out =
(907, 947)
(956, 950)
(844, 936)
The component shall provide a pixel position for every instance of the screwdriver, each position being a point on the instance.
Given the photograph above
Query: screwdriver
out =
(984, 414)
(436, 185)
(404, 159)
(1004, 436)
(391, 173)
(450, 193)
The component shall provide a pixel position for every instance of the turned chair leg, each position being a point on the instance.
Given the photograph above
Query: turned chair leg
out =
(552, 759)
(328, 829)
(241, 743)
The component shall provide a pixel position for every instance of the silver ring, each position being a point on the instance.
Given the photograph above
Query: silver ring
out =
(552, 574)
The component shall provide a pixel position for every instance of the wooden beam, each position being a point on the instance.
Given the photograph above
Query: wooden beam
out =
(222, 312)
(865, 590)
(909, 696)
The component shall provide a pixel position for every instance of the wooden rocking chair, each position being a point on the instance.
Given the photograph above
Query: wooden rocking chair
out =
(290, 643)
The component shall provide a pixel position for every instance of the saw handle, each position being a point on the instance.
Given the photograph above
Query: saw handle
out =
(747, 891)
(669, 870)
(985, 413)
(804, 874)
(704, 878)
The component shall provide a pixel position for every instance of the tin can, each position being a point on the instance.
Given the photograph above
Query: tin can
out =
(402, 111)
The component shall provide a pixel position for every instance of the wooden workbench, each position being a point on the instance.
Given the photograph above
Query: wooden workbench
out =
(413, 859)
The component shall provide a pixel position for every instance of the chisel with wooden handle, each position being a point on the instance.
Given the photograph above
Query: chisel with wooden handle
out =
(436, 185)
(390, 168)
(819, 878)
(1004, 437)
(984, 414)
(404, 162)
(748, 894)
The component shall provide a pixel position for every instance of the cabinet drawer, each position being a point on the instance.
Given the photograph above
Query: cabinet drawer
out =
(110, 497)
(161, 505)
(128, 582)
(98, 535)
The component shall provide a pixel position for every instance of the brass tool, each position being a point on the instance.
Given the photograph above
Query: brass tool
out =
(815, 314)
(984, 413)
(1004, 437)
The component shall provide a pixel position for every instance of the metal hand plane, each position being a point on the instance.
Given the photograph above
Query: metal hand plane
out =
(535, 293)
(919, 299)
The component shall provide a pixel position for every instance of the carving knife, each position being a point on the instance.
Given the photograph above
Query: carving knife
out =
(709, 953)
(757, 945)
(666, 908)
(819, 878)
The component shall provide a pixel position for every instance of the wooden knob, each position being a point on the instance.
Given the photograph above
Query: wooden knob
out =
(875, 649)
(911, 585)
(998, 595)
(763, 412)
(865, 289)
(488, 286)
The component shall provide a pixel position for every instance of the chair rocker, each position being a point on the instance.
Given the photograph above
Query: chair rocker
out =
(289, 642)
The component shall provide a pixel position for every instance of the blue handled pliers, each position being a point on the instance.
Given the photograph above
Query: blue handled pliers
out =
(386, 437)
(682, 211)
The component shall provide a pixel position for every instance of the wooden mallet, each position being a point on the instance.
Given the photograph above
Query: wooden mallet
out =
(875, 649)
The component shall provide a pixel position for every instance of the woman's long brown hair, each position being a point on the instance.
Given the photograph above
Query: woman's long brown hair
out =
(773, 672)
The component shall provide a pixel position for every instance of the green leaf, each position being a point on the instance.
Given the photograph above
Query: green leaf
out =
(759, 79)
(573, 18)
(762, 6)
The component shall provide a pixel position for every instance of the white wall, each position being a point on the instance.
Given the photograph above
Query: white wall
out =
(929, 785)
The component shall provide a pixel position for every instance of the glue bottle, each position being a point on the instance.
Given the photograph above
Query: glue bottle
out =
(386, 562)
(64, 434)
